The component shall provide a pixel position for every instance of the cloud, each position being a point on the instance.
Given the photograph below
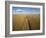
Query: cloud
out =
(19, 10)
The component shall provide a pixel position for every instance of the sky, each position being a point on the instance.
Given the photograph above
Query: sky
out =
(25, 10)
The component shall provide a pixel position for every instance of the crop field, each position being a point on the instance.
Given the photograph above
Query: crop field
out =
(25, 22)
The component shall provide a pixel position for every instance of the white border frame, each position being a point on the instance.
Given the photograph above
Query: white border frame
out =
(31, 31)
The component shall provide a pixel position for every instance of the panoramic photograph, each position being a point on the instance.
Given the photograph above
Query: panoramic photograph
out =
(25, 18)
